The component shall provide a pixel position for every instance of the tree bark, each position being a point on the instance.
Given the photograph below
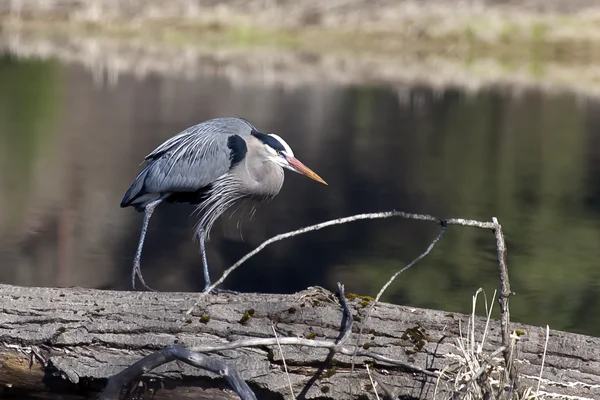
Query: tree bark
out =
(76, 338)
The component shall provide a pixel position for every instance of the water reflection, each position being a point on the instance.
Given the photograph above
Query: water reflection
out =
(70, 148)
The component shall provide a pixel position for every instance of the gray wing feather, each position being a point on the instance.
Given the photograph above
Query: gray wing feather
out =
(194, 158)
(189, 161)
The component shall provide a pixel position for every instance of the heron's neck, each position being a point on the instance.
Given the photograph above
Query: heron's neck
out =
(264, 178)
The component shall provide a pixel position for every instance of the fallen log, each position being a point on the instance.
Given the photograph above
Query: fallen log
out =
(70, 340)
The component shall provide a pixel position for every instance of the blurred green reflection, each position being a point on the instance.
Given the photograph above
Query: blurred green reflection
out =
(524, 161)
(27, 116)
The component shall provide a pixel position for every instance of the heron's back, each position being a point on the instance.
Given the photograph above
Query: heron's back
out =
(183, 168)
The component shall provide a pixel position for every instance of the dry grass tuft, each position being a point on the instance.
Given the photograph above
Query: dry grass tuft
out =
(478, 372)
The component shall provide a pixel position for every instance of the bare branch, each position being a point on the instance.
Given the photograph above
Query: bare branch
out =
(416, 260)
(543, 358)
(503, 301)
(372, 383)
(338, 347)
(389, 282)
(339, 221)
(172, 353)
(349, 320)
(325, 344)
(284, 364)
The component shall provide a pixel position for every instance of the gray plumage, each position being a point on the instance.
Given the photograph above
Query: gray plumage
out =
(214, 165)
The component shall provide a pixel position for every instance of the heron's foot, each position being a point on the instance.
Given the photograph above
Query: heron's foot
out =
(137, 272)
(217, 291)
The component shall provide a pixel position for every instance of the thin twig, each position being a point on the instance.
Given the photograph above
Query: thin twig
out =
(543, 358)
(284, 365)
(416, 260)
(338, 221)
(389, 282)
(294, 341)
(471, 342)
(437, 381)
(487, 321)
(372, 383)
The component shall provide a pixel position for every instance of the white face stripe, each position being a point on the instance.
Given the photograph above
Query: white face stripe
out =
(288, 149)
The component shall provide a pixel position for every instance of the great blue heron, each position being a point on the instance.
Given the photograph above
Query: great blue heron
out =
(215, 165)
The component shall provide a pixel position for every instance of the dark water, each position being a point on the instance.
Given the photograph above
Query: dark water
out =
(69, 148)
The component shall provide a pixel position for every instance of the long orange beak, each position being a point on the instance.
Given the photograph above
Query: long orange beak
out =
(303, 169)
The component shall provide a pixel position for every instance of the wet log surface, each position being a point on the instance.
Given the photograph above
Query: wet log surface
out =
(76, 338)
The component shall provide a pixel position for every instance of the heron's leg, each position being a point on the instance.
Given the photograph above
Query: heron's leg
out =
(138, 254)
(207, 282)
(204, 261)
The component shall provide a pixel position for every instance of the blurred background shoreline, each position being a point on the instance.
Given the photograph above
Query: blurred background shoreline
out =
(554, 45)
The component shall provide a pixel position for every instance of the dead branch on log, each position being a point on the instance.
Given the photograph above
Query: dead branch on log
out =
(348, 319)
(172, 353)
(339, 221)
(510, 374)
(323, 344)
(444, 222)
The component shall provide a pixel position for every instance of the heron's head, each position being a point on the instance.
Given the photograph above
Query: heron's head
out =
(279, 152)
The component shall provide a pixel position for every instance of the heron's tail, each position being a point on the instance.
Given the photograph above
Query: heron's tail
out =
(136, 195)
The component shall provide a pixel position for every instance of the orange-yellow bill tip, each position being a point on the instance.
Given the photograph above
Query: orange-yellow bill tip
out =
(294, 162)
